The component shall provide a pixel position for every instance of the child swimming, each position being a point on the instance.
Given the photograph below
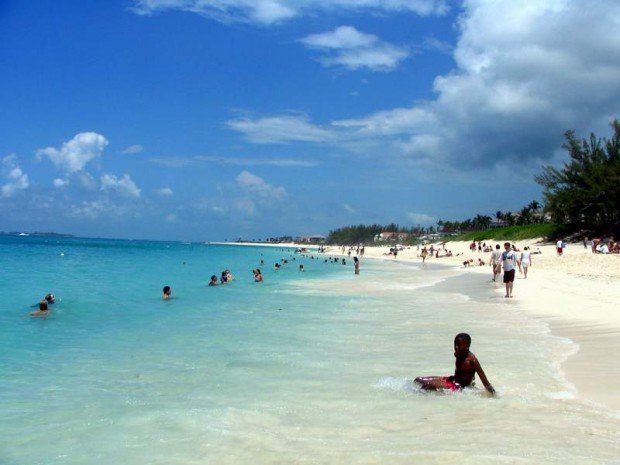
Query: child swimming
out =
(467, 366)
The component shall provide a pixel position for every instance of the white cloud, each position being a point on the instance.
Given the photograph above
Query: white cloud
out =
(89, 209)
(268, 12)
(421, 219)
(123, 186)
(348, 47)
(348, 208)
(441, 46)
(173, 162)
(137, 148)
(525, 73)
(76, 153)
(16, 179)
(280, 129)
(60, 182)
(259, 187)
(246, 161)
(86, 180)
(165, 192)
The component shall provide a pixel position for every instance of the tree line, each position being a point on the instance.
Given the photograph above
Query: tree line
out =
(582, 196)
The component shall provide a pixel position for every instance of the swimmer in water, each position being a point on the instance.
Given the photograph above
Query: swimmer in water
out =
(213, 281)
(301, 268)
(166, 292)
(49, 298)
(467, 366)
(42, 311)
(258, 276)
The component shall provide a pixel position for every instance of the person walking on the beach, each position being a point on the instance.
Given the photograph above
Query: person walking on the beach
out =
(526, 261)
(496, 262)
(559, 247)
(509, 263)
(356, 265)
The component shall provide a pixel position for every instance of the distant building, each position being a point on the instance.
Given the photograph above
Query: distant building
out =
(386, 236)
(315, 239)
(498, 224)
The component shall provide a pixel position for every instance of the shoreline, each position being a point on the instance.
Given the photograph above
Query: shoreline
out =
(570, 294)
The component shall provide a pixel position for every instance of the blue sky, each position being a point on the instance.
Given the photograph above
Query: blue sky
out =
(214, 119)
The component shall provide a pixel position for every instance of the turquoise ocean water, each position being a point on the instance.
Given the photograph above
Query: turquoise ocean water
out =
(306, 368)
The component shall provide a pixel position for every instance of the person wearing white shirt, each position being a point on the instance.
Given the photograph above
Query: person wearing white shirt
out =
(526, 260)
(509, 263)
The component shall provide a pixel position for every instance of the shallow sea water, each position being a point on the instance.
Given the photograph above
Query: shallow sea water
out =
(308, 368)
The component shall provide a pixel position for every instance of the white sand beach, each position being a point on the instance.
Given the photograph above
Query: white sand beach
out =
(577, 294)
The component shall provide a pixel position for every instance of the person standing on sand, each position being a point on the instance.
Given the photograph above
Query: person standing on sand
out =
(509, 263)
(496, 262)
(559, 246)
(526, 261)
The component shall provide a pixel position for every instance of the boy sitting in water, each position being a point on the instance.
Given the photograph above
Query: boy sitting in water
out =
(467, 366)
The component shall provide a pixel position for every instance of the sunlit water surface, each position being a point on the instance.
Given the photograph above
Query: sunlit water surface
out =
(307, 368)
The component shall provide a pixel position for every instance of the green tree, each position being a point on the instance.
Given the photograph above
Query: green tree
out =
(585, 192)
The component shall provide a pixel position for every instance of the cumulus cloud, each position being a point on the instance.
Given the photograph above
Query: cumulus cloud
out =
(249, 193)
(259, 187)
(122, 186)
(76, 153)
(525, 73)
(16, 179)
(268, 12)
(280, 129)
(137, 148)
(348, 47)
(165, 192)
(60, 182)
(89, 209)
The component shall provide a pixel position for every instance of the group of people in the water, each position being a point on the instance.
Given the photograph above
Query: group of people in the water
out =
(44, 306)
(466, 366)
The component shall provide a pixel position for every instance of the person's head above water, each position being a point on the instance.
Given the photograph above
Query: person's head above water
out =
(43, 306)
(49, 298)
(167, 291)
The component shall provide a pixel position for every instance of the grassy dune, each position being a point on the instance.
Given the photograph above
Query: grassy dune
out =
(510, 233)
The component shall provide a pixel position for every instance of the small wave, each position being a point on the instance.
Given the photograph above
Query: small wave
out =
(390, 383)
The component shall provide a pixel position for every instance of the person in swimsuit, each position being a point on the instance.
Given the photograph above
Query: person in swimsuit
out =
(466, 367)
(213, 281)
(356, 265)
(42, 311)
(50, 299)
(258, 276)
(526, 260)
(166, 293)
